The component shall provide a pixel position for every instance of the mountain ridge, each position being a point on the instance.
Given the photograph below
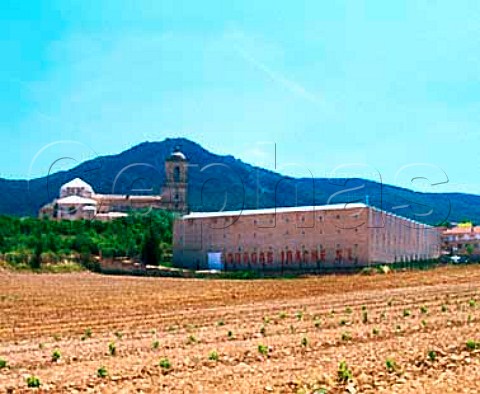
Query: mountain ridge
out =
(225, 182)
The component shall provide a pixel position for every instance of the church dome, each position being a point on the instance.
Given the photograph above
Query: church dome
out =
(177, 155)
(76, 187)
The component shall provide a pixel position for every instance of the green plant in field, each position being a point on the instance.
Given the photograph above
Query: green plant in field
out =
(192, 339)
(263, 349)
(472, 303)
(155, 344)
(263, 331)
(423, 309)
(220, 323)
(299, 315)
(424, 323)
(118, 334)
(364, 307)
(3, 363)
(102, 372)
(391, 365)
(56, 355)
(343, 322)
(230, 335)
(406, 312)
(112, 348)
(375, 331)
(365, 317)
(444, 308)
(282, 315)
(432, 355)
(266, 319)
(165, 363)
(33, 382)
(469, 319)
(473, 345)
(346, 336)
(348, 310)
(317, 323)
(344, 374)
(213, 356)
(304, 342)
(383, 315)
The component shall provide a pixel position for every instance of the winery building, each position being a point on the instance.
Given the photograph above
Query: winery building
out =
(312, 237)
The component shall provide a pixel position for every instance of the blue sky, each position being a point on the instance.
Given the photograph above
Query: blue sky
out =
(348, 88)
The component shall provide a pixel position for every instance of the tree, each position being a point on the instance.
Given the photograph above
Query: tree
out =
(469, 249)
(36, 261)
(151, 253)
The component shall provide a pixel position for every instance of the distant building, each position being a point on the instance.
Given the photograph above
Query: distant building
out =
(78, 200)
(463, 239)
(339, 235)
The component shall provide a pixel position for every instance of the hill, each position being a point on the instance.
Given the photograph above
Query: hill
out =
(224, 182)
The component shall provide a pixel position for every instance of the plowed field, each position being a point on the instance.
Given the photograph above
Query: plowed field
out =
(401, 332)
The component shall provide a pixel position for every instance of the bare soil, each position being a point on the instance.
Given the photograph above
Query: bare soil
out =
(416, 322)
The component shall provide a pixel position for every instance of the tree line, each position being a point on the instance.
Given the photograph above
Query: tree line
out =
(33, 242)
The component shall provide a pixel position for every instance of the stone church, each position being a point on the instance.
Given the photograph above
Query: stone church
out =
(77, 199)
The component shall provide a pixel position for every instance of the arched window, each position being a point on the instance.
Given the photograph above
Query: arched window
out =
(176, 174)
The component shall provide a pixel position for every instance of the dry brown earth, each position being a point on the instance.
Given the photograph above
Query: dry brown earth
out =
(363, 320)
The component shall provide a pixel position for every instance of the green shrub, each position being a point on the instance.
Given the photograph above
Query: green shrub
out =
(3, 363)
(348, 310)
(56, 355)
(365, 317)
(102, 372)
(344, 374)
(33, 382)
(473, 345)
(88, 333)
(220, 323)
(263, 331)
(263, 350)
(112, 348)
(406, 312)
(304, 342)
(472, 303)
(299, 315)
(317, 323)
(346, 336)
(375, 331)
(444, 308)
(213, 356)
(165, 363)
(155, 344)
(432, 355)
(282, 315)
(391, 365)
(424, 310)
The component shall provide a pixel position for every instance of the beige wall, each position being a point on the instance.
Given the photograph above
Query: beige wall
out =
(324, 238)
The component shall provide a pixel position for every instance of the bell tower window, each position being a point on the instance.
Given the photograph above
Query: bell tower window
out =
(176, 174)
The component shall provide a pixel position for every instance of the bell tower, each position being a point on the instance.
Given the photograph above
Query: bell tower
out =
(174, 192)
